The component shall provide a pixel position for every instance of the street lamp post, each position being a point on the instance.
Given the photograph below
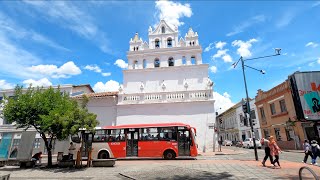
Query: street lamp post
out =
(277, 53)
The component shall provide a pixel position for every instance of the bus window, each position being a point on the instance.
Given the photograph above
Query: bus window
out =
(100, 136)
(116, 135)
(167, 134)
(75, 138)
(149, 134)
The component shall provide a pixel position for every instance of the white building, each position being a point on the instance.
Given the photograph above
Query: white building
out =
(244, 125)
(167, 82)
(233, 125)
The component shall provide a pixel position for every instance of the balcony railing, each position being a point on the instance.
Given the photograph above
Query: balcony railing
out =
(164, 97)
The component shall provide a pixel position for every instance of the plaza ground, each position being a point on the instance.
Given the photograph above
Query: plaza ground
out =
(231, 163)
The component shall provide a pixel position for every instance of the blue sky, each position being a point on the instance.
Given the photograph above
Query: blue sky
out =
(78, 42)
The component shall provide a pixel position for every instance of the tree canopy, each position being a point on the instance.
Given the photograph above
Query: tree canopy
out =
(51, 112)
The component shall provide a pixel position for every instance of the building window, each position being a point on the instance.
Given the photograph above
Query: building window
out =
(273, 109)
(163, 30)
(135, 64)
(144, 64)
(263, 116)
(169, 42)
(277, 132)
(36, 143)
(14, 148)
(184, 60)
(156, 63)
(157, 43)
(266, 133)
(283, 106)
(253, 114)
(171, 61)
(289, 133)
(193, 60)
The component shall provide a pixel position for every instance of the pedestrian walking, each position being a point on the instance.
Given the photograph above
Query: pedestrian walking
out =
(265, 143)
(71, 149)
(315, 151)
(307, 151)
(275, 150)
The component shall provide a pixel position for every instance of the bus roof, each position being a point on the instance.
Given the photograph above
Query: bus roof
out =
(126, 126)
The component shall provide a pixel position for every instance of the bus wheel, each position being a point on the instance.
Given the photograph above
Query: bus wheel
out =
(103, 155)
(169, 154)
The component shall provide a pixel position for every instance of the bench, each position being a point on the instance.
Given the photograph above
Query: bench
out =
(27, 164)
(66, 163)
(103, 162)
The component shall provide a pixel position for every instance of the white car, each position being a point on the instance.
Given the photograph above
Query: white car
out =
(248, 143)
(227, 143)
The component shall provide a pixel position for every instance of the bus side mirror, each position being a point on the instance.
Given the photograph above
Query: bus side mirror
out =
(75, 139)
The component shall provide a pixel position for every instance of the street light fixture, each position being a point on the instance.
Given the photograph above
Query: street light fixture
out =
(277, 53)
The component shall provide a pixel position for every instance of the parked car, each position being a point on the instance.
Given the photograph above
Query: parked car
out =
(227, 143)
(248, 143)
(239, 144)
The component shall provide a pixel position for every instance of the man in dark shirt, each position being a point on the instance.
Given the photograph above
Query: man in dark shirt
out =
(36, 157)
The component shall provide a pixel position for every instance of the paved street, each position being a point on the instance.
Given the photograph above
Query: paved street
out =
(231, 163)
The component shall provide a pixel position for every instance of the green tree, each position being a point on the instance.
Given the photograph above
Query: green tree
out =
(52, 113)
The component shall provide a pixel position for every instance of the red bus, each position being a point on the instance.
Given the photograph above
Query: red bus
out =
(167, 140)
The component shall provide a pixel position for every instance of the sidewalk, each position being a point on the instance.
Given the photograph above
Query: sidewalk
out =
(224, 151)
(294, 151)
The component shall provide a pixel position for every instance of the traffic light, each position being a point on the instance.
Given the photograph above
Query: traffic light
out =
(245, 106)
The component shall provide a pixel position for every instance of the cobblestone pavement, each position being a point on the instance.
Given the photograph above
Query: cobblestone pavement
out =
(235, 164)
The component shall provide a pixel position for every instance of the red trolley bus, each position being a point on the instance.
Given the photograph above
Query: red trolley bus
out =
(167, 140)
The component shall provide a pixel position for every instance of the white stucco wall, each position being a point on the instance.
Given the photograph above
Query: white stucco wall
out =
(196, 114)
(105, 108)
(173, 77)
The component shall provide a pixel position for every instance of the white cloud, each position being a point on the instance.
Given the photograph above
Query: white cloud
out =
(223, 54)
(109, 86)
(311, 64)
(316, 4)
(106, 74)
(171, 12)
(311, 44)
(220, 44)
(286, 18)
(5, 85)
(222, 102)
(244, 47)
(65, 71)
(94, 68)
(220, 53)
(248, 23)
(209, 47)
(121, 63)
(213, 69)
(66, 14)
(227, 58)
(318, 61)
(14, 31)
(41, 82)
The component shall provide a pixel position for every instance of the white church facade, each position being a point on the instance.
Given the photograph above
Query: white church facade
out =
(166, 81)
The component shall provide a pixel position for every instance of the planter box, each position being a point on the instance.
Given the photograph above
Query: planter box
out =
(103, 162)
(65, 164)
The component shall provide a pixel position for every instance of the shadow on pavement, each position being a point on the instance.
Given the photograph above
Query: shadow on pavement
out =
(205, 175)
(52, 169)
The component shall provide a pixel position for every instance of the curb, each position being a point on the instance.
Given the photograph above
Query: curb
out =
(293, 151)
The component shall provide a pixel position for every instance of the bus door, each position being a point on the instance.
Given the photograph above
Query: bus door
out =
(86, 143)
(183, 141)
(132, 142)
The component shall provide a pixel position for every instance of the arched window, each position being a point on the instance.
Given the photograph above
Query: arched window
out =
(163, 30)
(134, 48)
(193, 60)
(193, 43)
(157, 43)
(144, 64)
(156, 63)
(184, 61)
(169, 42)
(135, 64)
(171, 61)
(137, 48)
